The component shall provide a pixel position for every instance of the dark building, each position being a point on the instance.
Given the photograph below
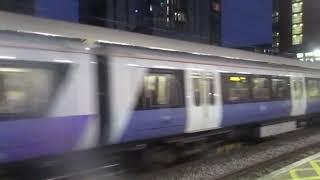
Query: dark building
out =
(92, 12)
(189, 20)
(245, 24)
(276, 27)
(228, 22)
(17, 6)
(288, 25)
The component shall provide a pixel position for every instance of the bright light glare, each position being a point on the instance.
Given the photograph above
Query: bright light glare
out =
(46, 34)
(164, 67)
(195, 69)
(309, 54)
(87, 48)
(221, 71)
(203, 54)
(62, 61)
(41, 33)
(299, 55)
(111, 42)
(133, 65)
(8, 57)
(12, 70)
(316, 52)
(160, 48)
(243, 72)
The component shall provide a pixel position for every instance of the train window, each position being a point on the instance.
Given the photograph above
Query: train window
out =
(298, 89)
(161, 90)
(237, 88)
(280, 88)
(203, 88)
(210, 84)
(260, 88)
(313, 86)
(197, 90)
(26, 91)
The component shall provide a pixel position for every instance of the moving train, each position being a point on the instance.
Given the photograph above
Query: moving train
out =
(60, 93)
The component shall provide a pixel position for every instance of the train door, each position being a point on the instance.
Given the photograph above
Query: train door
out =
(298, 96)
(202, 111)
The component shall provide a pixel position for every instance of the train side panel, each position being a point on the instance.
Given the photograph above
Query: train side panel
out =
(208, 104)
(45, 114)
(313, 95)
(147, 100)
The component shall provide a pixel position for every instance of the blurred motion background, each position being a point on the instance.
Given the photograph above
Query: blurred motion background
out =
(286, 28)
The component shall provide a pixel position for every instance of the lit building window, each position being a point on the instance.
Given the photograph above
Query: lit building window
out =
(311, 56)
(297, 18)
(216, 6)
(297, 39)
(276, 43)
(297, 28)
(297, 22)
(297, 7)
(275, 19)
(299, 55)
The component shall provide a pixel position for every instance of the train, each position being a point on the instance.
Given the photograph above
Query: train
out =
(79, 88)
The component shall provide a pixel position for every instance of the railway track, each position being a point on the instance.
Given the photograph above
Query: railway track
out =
(105, 171)
(290, 156)
(120, 172)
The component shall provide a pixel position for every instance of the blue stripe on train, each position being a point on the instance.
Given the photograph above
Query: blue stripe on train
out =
(30, 138)
(242, 113)
(155, 123)
(313, 106)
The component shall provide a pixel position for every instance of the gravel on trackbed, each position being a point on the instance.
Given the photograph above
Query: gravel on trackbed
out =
(213, 166)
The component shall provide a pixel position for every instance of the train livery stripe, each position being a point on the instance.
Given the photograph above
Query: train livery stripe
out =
(242, 113)
(28, 138)
(313, 106)
(155, 124)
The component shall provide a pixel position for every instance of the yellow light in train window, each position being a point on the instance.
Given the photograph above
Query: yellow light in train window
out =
(236, 78)
(232, 78)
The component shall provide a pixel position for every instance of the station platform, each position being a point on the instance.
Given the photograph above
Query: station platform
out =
(305, 169)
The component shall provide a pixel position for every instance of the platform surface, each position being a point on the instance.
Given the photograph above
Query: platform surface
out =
(305, 169)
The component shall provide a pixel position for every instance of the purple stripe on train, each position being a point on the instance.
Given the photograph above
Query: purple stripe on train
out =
(155, 123)
(29, 138)
(313, 106)
(242, 113)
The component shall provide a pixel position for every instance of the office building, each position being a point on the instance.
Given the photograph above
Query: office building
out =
(299, 29)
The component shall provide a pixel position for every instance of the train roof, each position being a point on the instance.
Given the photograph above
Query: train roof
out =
(42, 26)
